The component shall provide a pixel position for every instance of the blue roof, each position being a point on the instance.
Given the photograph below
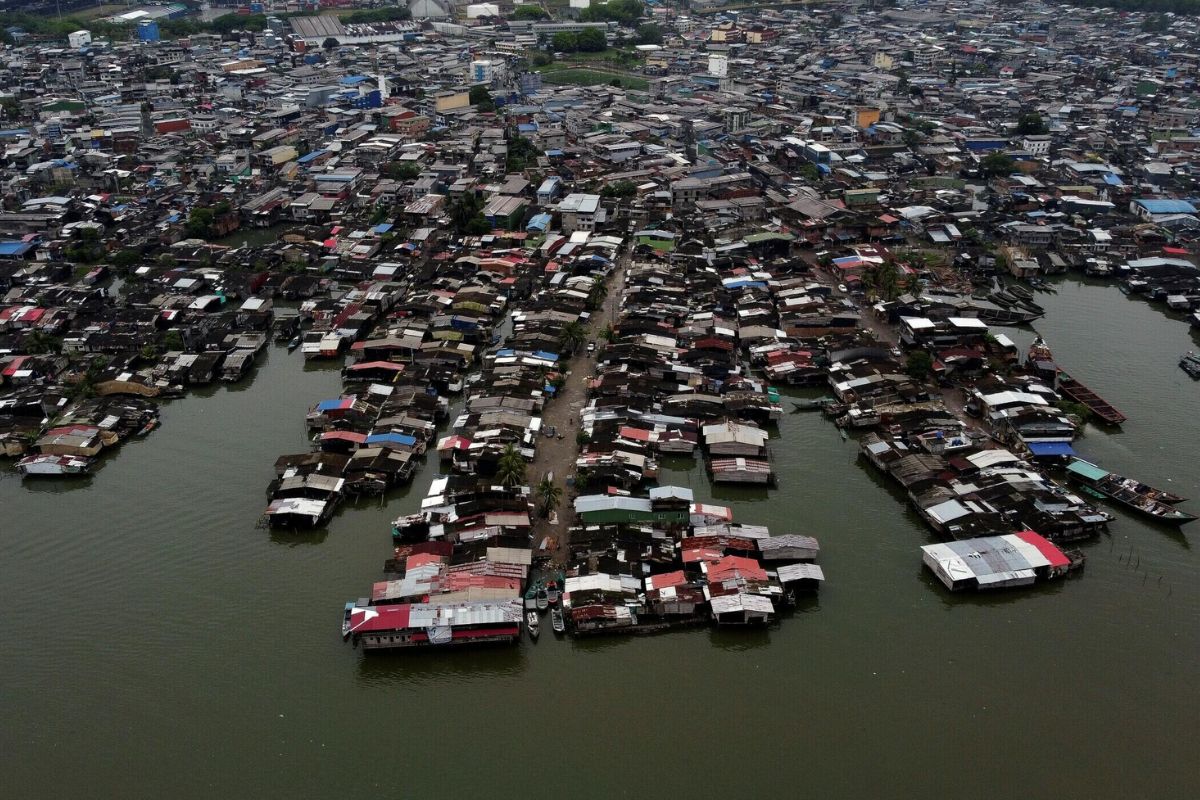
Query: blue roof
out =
(13, 248)
(391, 438)
(383, 227)
(1112, 180)
(1167, 206)
(539, 222)
(333, 405)
(315, 154)
(1040, 449)
(353, 80)
(542, 354)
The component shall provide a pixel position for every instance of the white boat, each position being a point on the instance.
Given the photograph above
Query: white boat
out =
(531, 622)
(558, 621)
(43, 465)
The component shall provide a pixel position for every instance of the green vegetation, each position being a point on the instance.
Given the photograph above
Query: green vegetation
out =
(125, 259)
(919, 365)
(510, 469)
(625, 12)
(996, 164)
(619, 189)
(1074, 409)
(591, 77)
(549, 496)
(521, 154)
(401, 170)
(1031, 124)
(649, 34)
(466, 216)
(528, 13)
(589, 40)
(572, 336)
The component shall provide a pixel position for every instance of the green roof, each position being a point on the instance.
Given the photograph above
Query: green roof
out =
(1087, 470)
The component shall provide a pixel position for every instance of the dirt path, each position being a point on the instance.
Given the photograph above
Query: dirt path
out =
(562, 413)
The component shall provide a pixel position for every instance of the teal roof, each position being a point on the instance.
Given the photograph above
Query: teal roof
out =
(1087, 470)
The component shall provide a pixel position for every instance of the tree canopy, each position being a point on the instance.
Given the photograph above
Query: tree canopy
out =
(996, 164)
(1031, 124)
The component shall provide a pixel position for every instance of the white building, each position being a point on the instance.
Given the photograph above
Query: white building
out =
(477, 10)
(79, 39)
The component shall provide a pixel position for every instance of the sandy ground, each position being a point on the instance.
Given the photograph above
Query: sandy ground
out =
(556, 455)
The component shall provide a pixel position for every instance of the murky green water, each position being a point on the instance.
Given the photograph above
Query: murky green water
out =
(155, 643)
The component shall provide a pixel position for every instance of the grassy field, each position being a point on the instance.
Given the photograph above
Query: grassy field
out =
(592, 77)
(95, 12)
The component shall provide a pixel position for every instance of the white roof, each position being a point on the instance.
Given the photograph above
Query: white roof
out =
(917, 323)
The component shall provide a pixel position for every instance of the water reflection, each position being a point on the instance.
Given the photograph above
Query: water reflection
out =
(59, 484)
(740, 640)
(421, 665)
(294, 537)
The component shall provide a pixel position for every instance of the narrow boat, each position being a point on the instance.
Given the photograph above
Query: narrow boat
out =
(346, 618)
(1134, 495)
(1191, 365)
(531, 622)
(1020, 292)
(1076, 391)
(558, 621)
(48, 466)
(293, 344)
(552, 593)
(543, 599)
(815, 404)
(1002, 299)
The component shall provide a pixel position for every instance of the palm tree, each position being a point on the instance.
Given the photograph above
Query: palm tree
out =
(510, 469)
(37, 342)
(597, 295)
(573, 334)
(549, 496)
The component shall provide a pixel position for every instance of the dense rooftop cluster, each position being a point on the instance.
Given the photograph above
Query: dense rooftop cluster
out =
(521, 240)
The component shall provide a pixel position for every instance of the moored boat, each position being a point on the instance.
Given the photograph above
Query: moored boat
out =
(542, 598)
(531, 622)
(1134, 495)
(558, 621)
(1190, 364)
(552, 593)
(1076, 391)
(814, 404)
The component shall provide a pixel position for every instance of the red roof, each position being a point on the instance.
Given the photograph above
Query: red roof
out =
(677, 578)
(15, 366)
(1052, 553)
(344, 436)
(392, 365)
(420, 559)
(636, 434)
(380, 618)
(735, 567)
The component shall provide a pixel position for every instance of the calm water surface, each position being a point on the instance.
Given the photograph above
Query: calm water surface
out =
(155, 642)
